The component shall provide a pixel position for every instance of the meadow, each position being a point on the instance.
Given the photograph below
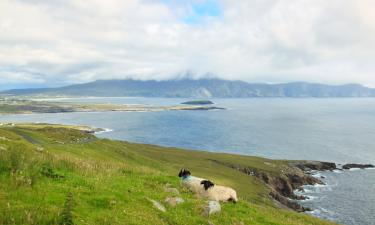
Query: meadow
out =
(54, 174)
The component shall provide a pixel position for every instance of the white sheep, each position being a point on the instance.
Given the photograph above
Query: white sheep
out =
(190, 182)
(217, 192)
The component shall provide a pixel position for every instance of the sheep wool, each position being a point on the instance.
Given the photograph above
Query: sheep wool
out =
(193, 184)
(218, 193)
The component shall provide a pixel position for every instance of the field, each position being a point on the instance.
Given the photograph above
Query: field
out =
(53, 174)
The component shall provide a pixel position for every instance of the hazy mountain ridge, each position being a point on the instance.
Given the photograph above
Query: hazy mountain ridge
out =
(202, 88)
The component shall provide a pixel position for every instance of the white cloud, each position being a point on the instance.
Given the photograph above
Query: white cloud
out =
(258, 41)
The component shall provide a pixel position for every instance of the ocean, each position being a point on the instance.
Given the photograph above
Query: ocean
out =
(340, 130)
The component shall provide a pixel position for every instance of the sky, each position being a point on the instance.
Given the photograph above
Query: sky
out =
(60, 42)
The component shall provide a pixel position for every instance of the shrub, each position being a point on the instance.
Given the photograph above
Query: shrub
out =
(47, 170)
(66, 216)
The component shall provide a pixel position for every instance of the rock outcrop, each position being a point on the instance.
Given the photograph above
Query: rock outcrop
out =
(308, 166)
(293, 177)
(282, 187)
(358, 166)
(211, 208)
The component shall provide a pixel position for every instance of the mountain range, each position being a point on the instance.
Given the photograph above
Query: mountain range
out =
(201, 88)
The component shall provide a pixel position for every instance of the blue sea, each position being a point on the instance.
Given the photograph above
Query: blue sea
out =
(336, 130)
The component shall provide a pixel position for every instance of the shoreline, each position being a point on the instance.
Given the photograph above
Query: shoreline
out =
(335, 201)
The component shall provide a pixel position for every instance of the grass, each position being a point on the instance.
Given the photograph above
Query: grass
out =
(60, 175)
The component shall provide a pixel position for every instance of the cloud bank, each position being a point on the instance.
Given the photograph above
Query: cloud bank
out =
(61, 42)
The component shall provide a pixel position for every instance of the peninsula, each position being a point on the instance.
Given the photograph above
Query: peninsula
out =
(23, 106)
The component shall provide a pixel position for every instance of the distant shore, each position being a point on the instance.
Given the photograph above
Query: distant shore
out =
(21, 106)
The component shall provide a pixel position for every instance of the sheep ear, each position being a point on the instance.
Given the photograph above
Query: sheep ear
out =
(210, 184)
(180, 173)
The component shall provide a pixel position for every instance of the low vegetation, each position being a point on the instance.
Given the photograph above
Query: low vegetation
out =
(62, 175)
(23, 106)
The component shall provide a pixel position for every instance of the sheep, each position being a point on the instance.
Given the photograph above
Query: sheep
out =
(190, 182)
(217, 192)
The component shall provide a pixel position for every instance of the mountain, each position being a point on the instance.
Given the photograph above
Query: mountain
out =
(202, 88)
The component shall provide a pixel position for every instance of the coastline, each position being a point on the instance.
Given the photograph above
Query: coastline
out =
(286, 185)
(119, 176)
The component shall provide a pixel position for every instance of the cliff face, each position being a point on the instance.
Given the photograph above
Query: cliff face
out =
(291, 178)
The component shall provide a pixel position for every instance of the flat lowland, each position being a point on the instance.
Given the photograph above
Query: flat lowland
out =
(53, 174)
(23, 106)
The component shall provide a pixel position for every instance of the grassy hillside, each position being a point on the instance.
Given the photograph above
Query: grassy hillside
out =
(60, 175)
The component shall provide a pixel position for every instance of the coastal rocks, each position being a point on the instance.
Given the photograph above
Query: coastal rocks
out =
(291, 178)
(92, 130)
(211, 208)
(282, 188)
(308, 166)
(288, 203)
(357, 166)
(298, 180)
(174, 201)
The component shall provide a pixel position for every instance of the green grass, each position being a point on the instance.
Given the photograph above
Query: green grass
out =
(60, 175)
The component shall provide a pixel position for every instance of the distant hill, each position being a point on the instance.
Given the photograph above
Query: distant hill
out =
(203, 88)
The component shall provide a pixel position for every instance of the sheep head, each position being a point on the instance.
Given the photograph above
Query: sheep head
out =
(184, 173)
(207, 184)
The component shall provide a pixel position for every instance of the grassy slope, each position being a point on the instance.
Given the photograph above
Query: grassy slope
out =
(49, 175)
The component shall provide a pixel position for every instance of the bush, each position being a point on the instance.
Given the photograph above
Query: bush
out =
(66, 216)
(47, 170)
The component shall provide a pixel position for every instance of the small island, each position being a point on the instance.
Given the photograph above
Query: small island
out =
(198, 102)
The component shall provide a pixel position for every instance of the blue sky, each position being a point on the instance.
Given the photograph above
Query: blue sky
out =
(51, 43)
(195, 12)
(203, 10)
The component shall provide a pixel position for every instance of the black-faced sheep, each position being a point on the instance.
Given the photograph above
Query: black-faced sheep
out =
(217, 192)
(190, 182)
